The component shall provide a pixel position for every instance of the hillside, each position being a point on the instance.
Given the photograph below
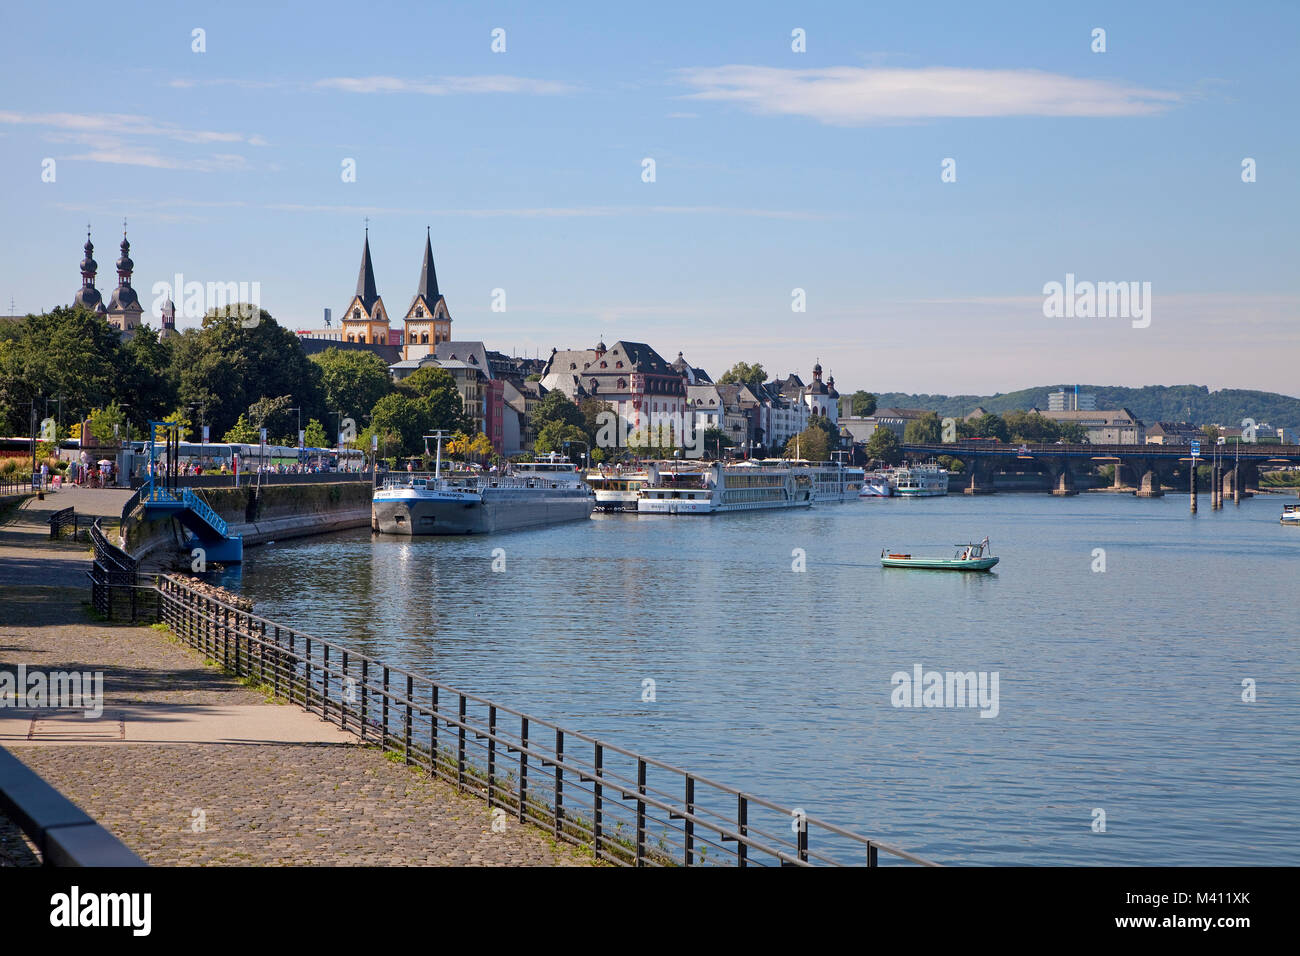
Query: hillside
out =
(1151, 403)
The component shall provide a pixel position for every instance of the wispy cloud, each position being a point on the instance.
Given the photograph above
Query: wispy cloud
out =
(857, 96)
(445, 85)
(115, 138)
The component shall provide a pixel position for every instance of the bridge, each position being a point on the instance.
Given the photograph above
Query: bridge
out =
(1233, 467)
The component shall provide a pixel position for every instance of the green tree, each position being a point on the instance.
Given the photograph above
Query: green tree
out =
(149, 378)
(242, 432)
(314, 435)
(555, 433)
(67, 352)
(1211, 433)
(1073, 432)
(715, 439)
(924, 430)
(227, 365)
(435, 389)
(990, 426)
(742, 373)
(108, 424)
(353, 380)
(812, 444)
(862, 404)
(883, 446)
(406, 417)
(272, 414)
(556, 407)
(1031, 427)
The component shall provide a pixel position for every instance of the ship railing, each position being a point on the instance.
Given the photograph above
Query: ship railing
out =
(625, 807)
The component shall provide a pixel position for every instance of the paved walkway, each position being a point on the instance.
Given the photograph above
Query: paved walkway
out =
(187, 766)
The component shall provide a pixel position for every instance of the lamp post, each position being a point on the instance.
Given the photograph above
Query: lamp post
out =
(301, 439)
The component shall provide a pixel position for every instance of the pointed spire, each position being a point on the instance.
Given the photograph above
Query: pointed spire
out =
(366, 291)
(428, 286)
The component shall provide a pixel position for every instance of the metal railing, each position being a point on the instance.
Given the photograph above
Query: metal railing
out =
(624, 807)
(62, 519)
(117, 589)
(64, 834)
(204, 511)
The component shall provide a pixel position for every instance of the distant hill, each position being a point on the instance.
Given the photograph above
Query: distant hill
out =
(1151, 403)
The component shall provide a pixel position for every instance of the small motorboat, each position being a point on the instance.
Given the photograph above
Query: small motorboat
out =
(1291, 514)
(968, 557)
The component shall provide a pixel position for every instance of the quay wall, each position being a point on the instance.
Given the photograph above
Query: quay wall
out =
(271, 513)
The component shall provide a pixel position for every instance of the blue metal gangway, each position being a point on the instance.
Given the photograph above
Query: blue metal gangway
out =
(159, 495)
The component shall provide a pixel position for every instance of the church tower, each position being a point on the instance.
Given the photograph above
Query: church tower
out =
(88, 296)
(168, 320)
(366, 320)
(428, 322)
(124, 309)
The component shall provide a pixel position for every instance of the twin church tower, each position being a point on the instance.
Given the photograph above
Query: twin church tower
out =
(426, 323)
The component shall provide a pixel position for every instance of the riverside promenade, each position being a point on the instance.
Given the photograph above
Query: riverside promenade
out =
(188, 766)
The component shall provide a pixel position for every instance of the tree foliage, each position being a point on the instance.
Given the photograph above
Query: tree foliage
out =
(353, 380)
(862, 404)
(742, 373)
(883, 446)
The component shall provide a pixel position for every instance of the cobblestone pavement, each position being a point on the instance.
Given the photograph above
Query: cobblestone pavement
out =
(285, 804)
(262, 803)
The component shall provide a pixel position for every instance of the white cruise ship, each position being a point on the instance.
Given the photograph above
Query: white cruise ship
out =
(925, 480)
(746, 486)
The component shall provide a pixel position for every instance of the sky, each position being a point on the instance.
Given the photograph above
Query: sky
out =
(774, 170)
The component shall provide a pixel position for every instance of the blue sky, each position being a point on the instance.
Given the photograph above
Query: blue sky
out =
(775, 170)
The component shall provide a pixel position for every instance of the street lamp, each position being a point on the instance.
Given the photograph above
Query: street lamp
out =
(301, 439)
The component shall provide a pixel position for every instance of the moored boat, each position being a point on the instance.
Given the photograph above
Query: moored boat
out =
(876, 485)
(1291, 514)
(616, 490)
(920, 480)
(968, 557)
(746, 486)
(533, 495)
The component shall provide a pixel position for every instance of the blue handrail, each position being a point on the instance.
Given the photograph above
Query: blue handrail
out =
(204, 511)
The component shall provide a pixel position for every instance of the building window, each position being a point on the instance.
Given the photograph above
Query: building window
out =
(356, 314)
(349, 336)
(424, 338)
(419, 311)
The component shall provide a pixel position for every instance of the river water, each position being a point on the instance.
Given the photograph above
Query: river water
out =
(1120, 691)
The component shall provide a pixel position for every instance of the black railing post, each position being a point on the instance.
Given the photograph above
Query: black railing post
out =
(872, 855)
(433, 731)
(406, 737)
(293, 662)
(383, 732)
(275, 663)
(523, 769)
(460, 745)
(598, 815)
(492, 754)
(690, 824)
(742, 828)
(365, 677)
(325, 681)
(559, 781)
(640, 812)
(347, 688)
(802, 837)
(306, 660)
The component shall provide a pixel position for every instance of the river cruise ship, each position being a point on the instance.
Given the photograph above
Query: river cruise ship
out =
(533, 495)
(617, 490)
(925, 480)
(747, 486)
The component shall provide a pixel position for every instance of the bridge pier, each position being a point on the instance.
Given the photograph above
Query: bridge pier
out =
(1118, 483)
(1062, 479)
(1149, 486)
(981, 477)
(1192, 482)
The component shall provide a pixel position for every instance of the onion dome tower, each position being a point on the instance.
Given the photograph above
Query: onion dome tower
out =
(88, 296)
(124, 309)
